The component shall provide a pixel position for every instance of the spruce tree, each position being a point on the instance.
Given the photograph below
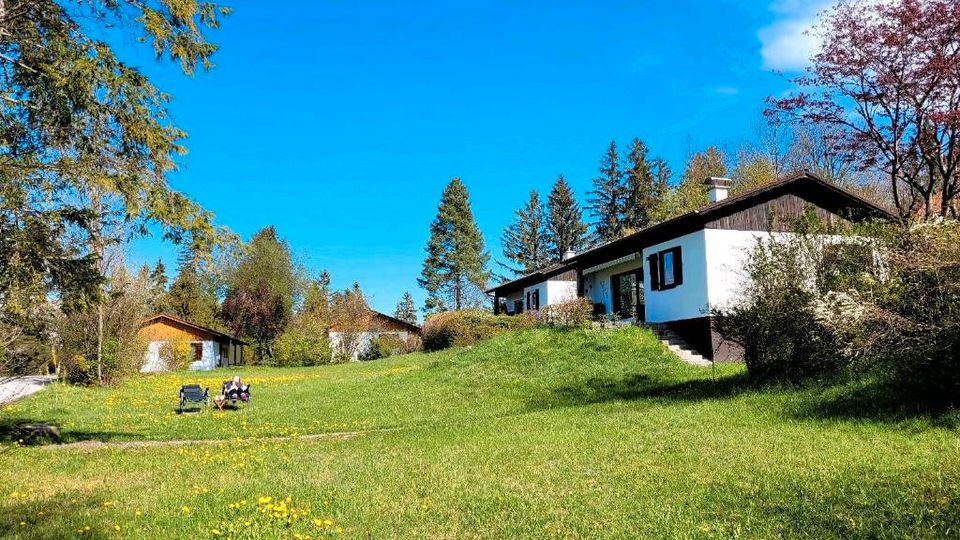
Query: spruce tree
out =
(455, 269)
(191, 296)
(606, 198)
(640, 190)
(525, 241)
(406, 309)
(566, 230)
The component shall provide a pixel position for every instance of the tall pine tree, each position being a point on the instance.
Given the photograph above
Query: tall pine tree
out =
(191, 294)
(640, 189)
(525, 241)
(606, 198)
(455, 269)
(406, 309)
(566, 230)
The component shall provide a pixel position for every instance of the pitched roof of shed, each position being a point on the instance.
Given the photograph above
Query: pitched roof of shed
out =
(189, 324)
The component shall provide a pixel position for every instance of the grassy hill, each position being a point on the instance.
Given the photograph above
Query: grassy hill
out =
(533, 434)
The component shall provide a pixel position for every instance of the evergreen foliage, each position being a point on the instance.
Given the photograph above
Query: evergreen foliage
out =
(566, 230)
(406, 309)
(455, 269)
(526, 240)
(191, 296)
(606, 203)
(642, 190)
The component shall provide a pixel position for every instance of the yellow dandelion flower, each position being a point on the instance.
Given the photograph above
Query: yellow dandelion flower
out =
(186, 509)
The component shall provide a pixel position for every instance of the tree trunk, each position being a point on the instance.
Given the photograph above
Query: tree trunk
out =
(96, 239)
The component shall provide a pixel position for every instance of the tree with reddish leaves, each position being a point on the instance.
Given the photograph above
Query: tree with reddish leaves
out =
(887, 77)
(262, 292)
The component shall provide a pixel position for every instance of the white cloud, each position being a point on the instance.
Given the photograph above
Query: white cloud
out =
(786, 44)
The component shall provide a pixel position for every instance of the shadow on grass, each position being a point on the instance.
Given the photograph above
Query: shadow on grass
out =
(857, 400)
(876, 401)
(641, 386)
(61, 517)
(30, 432)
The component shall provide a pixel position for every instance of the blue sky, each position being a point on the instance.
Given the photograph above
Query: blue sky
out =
(340, 122)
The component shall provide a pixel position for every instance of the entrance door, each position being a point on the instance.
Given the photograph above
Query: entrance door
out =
(627, 292)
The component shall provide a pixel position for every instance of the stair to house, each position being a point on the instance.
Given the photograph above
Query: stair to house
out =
(678, 346)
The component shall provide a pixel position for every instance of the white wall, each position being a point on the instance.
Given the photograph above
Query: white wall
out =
(596, 285)
(726, 255)
(209, 358)
(542, 287)
(364, 342)
(559, 291)
(689, 299)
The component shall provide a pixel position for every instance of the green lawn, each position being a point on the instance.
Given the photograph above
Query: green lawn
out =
(535, 434)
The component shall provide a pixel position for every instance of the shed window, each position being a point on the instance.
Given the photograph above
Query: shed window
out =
(197, 350)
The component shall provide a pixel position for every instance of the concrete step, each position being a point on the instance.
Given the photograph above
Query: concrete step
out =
(679, 347)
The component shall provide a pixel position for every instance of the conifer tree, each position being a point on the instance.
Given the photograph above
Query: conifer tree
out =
(406, 309)
(455, 269)
(566, 230)
(606, 198)
(525, 241)
(690, 194)
(190, 296)
(640, 189)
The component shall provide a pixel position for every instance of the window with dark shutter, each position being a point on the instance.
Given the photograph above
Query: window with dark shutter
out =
(666, 269)
(677, 266)
(536, 299)
(654, 263)
(615, 292)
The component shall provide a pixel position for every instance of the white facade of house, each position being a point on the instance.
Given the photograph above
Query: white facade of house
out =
(362, 343)
(691, 298)
(551, 291)
(153, 361)
(596, 280)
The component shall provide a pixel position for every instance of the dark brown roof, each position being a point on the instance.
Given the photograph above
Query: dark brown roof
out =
(412, 327)
(189, 324)
(537, 276)
(828, 195)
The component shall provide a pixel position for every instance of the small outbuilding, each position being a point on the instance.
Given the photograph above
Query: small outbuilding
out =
(356, 342)
(206, 348)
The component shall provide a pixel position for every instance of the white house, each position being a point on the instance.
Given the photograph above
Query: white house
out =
(673, 273)
(166, 336)
(357, 342)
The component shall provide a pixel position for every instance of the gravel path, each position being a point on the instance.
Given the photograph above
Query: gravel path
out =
(14, 388)
(90, 445)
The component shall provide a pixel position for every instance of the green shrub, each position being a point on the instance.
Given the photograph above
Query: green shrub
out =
(386, 345)
(296, 348)
(775, 321)
(466, 327)
(576, 313)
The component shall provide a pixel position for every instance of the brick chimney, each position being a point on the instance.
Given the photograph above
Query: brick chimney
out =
(568, 254)
(717, 188)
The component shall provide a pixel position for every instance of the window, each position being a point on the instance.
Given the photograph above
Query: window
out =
(627, 292)
(197, 350)
(666, 269)
(533, 299)
(518, 306)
